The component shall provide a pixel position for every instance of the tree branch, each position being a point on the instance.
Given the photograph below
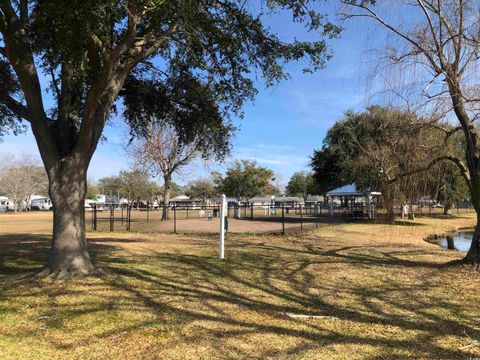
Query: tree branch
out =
(24, 11)
(145, 47)
(432, 31)
(16, 107)
(20, 56)
(372, 14)
(463, 168)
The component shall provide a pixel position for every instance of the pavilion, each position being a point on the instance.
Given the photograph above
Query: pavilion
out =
(352, 201)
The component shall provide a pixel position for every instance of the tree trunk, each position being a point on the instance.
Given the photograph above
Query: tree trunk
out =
(472, 155)
(67, 189)
(388, 202)
(446, 209)
(473, 254)
(166, 197)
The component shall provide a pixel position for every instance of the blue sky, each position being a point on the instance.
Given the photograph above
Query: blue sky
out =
(284, 124)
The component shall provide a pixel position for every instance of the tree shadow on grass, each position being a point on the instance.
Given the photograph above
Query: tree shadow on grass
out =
(407, 223)
(247, 296)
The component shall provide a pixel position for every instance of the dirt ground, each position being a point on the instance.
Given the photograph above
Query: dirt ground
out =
(213, 226)
(41, 221)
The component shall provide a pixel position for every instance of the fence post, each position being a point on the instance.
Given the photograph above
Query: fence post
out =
(148, 211)
(129, 217)
(187, 211)
(283, 219)
(95, 217)
(121, 213)
(112, 209)
(174, 219)
(251, 212)
(301, 218)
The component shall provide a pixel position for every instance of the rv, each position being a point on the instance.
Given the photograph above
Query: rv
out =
(41, 204)
(5, 204)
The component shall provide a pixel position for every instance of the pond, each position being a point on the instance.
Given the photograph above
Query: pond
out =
(459, 241)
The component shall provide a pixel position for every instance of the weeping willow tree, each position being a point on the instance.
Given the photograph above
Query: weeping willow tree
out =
(82, 52)
(431, 58)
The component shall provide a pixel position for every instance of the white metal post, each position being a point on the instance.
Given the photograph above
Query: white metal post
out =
(370, 215)
(223, 213)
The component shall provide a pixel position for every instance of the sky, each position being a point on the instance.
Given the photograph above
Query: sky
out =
(284, 124)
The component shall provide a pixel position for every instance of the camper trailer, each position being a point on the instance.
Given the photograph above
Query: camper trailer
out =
(41, 204)
(5, 204)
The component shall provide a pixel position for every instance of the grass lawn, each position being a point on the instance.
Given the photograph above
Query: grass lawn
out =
(386, 294)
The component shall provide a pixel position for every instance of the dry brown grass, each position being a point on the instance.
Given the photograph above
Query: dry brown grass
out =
(391, 294)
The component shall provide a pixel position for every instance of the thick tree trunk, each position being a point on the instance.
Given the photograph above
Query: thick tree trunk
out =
(166, 197)
(472, 154)
(388, 202)
(473, 254)
(67, 190)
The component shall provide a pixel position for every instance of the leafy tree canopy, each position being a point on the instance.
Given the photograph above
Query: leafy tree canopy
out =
(197, 54)
(132, 185)
(202, 189)
(390, 150)
(302, 184)
(245, 179)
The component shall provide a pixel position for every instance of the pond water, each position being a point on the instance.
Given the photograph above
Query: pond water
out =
(460, 241)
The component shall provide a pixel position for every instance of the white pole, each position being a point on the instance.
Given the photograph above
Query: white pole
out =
(370, 215)
(223, 213)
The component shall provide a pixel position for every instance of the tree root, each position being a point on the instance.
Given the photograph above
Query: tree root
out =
(66, 274)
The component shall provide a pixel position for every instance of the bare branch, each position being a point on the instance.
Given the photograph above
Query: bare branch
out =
(432, 30)
(372, 14)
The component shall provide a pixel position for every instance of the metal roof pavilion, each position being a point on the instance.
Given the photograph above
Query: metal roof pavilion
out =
(351, 190)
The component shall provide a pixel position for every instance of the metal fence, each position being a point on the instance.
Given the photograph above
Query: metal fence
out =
(279, 219)
(262, 218)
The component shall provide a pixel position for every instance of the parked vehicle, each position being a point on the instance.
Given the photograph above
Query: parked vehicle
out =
(5, 204)
(41, 204)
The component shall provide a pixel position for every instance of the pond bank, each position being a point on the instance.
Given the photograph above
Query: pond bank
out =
(459, 241)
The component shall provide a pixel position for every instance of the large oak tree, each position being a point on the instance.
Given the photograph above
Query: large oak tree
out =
(82, 52)
(391, 151)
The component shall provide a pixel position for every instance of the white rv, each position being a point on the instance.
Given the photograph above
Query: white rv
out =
(5, 204)
(43, 203)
